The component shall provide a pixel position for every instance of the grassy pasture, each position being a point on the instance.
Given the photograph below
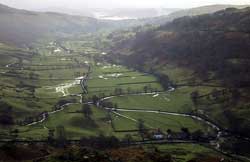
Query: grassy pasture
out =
(54, 68)
(157, 121)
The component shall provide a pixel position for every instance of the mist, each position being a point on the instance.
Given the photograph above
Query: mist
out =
(108, 4)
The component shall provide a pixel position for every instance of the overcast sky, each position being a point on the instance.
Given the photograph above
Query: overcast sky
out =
(78, 4)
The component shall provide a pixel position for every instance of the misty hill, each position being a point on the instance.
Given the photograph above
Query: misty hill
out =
(119, 13)
(202, 10)
(132, 13)
(193, 12)
(84, 12)
(23, 27)
(20, 26)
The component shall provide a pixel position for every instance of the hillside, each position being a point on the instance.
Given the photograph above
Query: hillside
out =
(20, 26)
(193, 42)
(193, 12)
(202, 10)
(207, 50)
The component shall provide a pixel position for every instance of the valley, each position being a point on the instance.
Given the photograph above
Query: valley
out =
(52, 95)
(165, 89)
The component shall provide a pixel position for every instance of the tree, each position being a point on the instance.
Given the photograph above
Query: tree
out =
(33, 90)
(118, 91)
(194, 97)
(95, 99)
(14, 134)
(150, 88)
(50, 76)
(6, 118)
(128, 139)
(109, 116)
(107, 104)
(164, 80)
(169, 133)
(51, 136)
(115, 106)
(198, 135)
(141, 128)
(128, 90)
(185, 133)
(83, 99)
(145, 89)
(215, 94)
(32, 75)
(61, 136)
(235, 96)
(86, 110)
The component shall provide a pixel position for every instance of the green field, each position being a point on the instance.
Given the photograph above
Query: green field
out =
(177, 101)
(159, 121)
(52, 72)
(48, 75)
(74, 122)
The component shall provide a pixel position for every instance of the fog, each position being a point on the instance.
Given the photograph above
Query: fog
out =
(80, 4)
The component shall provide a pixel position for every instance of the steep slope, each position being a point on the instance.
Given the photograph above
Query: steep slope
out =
(222, 38)
(215, 48)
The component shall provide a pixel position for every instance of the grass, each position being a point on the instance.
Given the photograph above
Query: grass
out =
(75, 124)
(104, 79)
(158, 121)
(31, 107)
(177, 101)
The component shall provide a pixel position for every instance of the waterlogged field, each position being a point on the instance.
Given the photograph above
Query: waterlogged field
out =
(33, 85)
(175, 101)
(107, 77)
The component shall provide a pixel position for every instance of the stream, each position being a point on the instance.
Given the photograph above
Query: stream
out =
(63, 88)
